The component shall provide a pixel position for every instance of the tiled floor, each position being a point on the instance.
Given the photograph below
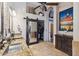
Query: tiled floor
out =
(18, 47)
(45, 49)
(40, 49)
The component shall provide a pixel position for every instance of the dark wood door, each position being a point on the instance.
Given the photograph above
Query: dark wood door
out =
(41, 30)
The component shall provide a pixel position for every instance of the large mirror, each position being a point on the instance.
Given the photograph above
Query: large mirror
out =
(32, 31)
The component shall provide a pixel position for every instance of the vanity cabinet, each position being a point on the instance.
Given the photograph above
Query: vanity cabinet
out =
(64, 43)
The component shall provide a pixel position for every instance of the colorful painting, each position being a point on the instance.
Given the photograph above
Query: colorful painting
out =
(66, 20)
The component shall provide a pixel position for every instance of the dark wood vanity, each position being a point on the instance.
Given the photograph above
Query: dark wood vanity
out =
(64, 43)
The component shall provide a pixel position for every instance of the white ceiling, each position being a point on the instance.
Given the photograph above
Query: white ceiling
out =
(20, 5)
(33, 4)
(16, 5)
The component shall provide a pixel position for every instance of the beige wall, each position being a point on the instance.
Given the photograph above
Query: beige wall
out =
(6, 18)
(0, 16)
(76, 22)
(76, 30)
(19, 18)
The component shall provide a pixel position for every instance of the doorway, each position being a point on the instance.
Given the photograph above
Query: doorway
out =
(51, 31)
(41, 30)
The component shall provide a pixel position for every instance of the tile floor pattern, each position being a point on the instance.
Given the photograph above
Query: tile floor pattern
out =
(45, 49)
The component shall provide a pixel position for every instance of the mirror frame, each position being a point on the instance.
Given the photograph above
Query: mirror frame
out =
(27, 31)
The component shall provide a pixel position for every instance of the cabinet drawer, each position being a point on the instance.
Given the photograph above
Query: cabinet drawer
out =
(64, 43)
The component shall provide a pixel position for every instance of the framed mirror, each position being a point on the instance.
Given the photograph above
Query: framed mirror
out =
(32, 31)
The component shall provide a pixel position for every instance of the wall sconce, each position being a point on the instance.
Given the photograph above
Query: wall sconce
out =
(14, 13)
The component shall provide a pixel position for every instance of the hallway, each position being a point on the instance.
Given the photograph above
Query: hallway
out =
(49, 29)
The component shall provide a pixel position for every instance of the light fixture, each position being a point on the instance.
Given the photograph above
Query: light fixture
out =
(14, 13)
